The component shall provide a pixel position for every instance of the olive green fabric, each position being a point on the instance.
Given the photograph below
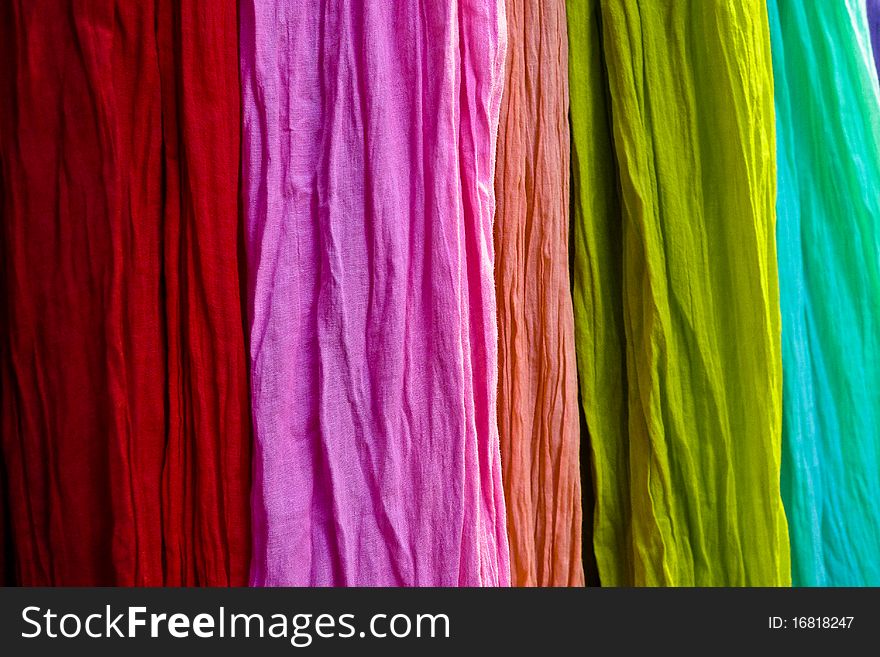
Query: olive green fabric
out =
(676, 291)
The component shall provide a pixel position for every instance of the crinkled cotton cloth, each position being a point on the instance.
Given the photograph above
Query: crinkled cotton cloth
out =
(369, 158)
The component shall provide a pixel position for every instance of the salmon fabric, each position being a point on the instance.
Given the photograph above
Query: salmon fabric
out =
(537, 389)
(125, 432)
(369, 150)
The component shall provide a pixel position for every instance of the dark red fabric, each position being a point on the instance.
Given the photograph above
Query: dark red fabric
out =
(126, 431)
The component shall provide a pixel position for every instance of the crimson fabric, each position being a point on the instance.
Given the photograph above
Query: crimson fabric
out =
(124, 405)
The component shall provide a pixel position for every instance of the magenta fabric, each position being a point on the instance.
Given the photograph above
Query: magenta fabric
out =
(369, 138)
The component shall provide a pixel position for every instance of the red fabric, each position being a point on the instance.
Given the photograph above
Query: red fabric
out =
(126, 439)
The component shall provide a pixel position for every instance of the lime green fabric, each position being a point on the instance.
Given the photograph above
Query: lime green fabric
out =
(676, 290)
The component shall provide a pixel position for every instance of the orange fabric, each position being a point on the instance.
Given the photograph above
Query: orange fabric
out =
(537, 393)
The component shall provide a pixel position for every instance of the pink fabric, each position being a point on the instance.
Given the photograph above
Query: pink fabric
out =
(369, 152)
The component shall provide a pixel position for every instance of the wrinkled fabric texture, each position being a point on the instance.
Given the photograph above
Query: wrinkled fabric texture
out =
(597, 294)
(537, 392)
(828, 123)
(873, 9)
(369, 151)
(126, 438)
(676, 291)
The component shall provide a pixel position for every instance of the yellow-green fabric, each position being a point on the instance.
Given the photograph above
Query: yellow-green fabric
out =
(675, 289)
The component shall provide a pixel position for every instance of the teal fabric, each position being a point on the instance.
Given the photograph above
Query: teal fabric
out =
(828, 204)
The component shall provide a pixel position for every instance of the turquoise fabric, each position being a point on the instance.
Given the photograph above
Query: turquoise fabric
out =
(828, 205)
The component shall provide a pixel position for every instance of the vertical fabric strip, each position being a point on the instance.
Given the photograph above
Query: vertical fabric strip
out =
(369, 156)
(828, 110)
(537, 392)
(597, 295)
(873, 7)
(697, 464)
(126, 437)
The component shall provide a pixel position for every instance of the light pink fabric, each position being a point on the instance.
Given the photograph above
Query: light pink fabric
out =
(369, 147)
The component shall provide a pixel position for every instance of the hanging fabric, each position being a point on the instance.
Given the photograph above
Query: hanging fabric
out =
(369, 151)
(126, 434)
(828, 234)
(675, 290)
(873, 7)
(537, 393)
